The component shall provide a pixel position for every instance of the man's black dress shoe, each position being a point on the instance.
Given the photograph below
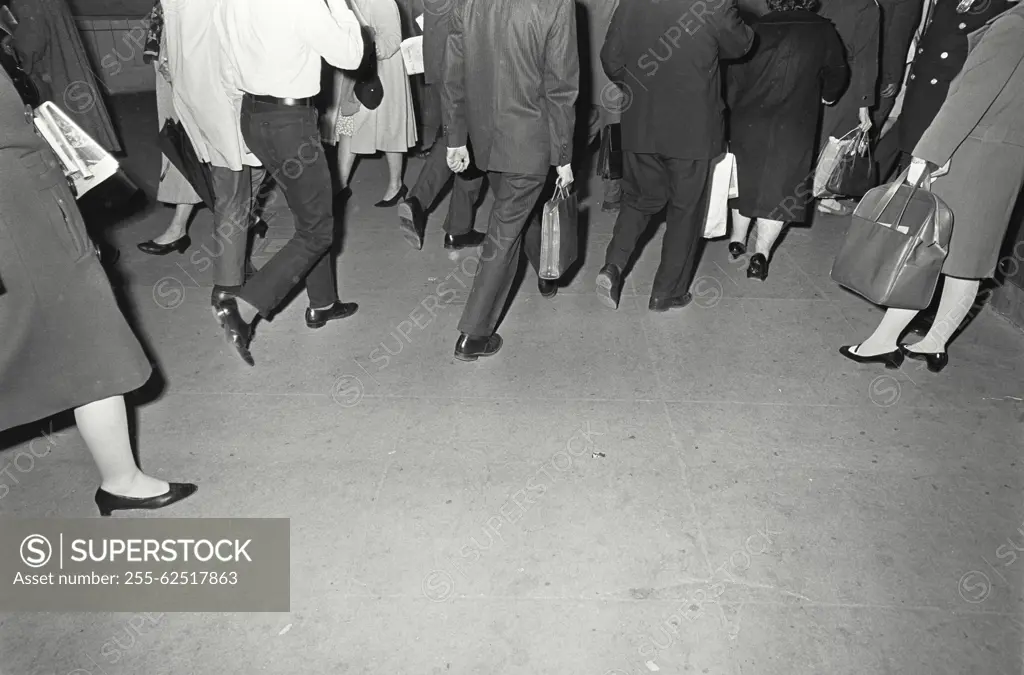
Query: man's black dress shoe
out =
(665, 304)
(412, 219)
(219, 296)
(547, 287)
(108, 503)
(609, 285)
(936, 360)
(399, 196)
(318, 318)
(470, 348)
(454, 242)
(758, 267)
(892, 360)
(341, 198)
(237, 331)
(152, 248)
(736, 249)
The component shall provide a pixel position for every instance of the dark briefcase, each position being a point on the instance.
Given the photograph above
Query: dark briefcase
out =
(609, 160)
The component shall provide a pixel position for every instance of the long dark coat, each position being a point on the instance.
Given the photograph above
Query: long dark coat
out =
(775, 98)
(52, 53)
(63, 340)
(859, 23)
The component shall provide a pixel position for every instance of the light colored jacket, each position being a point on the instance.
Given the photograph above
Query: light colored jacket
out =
(209, 107)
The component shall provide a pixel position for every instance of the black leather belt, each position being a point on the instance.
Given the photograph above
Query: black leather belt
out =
(293, 102)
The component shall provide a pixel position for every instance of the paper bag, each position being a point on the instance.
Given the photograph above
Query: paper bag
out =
(559, 235)
(724, 186)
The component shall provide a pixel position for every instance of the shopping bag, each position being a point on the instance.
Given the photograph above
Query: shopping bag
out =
(559, 234)
(609, 157)
(854, 172)
(829, 158)
(724, 187)
(895, 246)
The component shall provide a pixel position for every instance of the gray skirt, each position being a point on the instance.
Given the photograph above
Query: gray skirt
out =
(981, 189)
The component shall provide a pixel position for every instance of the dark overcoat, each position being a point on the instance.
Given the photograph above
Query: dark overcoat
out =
(859, 23)
(775, 98)
(52, 53)
(63, 340)
(941, 54)
(666, 58)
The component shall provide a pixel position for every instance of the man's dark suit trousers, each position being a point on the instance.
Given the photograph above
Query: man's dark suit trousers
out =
(287, 141)
(649, 182)
(435, 174)
(512, 227)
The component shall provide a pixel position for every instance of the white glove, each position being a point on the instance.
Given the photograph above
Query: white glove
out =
(917, 170)
(458, 159)
(865, 119)
(565, 177)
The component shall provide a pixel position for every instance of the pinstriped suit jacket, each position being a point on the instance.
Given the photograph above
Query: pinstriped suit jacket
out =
(511, 78)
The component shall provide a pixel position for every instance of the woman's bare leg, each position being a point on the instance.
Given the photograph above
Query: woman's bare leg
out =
(396, 162)
(768, 232)
(958, 296)
(104, 427)
(740, 227)
(883, 340)
(346, 159)
(178, 226)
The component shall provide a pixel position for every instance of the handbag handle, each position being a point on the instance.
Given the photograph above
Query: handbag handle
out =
(924, 182)
(894, 188)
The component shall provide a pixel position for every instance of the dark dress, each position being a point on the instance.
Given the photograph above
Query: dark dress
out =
(775, 99)
(63, 340)
(941, 55)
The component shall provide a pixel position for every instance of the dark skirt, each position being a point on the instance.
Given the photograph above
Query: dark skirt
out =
(63, 340)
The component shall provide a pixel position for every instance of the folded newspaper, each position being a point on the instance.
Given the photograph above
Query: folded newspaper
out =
(412, 54)
(85, 162)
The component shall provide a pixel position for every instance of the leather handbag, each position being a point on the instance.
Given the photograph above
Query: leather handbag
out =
(896, 245)
(559, 235)
(855, 171)
(609, 159)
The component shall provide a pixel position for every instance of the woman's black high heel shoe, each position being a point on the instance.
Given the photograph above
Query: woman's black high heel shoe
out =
(261, 228)
(892, 360)
(152, 248)
(399, 196)
(758, 268)
(108, 503)
(936, 360)
(736, 249)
